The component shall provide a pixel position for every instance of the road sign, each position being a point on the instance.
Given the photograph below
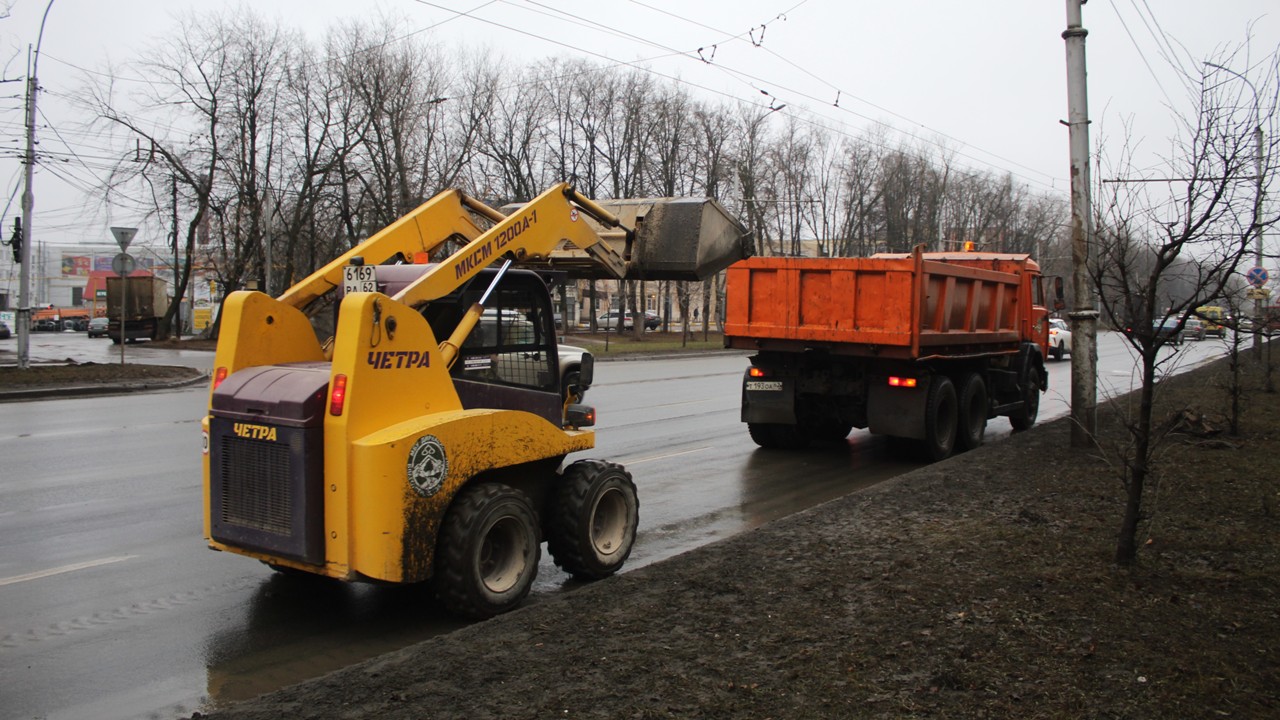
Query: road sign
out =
(122, 264)
(124, 236)
(1257, 276)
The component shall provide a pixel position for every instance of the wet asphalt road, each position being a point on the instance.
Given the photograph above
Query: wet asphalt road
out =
(111, 605)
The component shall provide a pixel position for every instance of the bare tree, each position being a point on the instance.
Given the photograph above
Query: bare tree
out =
(192, 74)
(1167, 248)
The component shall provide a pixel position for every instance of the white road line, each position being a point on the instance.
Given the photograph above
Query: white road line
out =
(668, 455)
(64, 569)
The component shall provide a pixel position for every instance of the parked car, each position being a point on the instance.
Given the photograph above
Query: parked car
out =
(46, 324)
(98, 327)
(1059, 338)
(4, 331)
(609, 320)
(1167, 330)
(1194, 329)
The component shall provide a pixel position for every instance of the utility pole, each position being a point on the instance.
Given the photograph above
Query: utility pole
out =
(28, 205)
(177, 315)
(1084, 314)
(1257, 229)
(1257, 205)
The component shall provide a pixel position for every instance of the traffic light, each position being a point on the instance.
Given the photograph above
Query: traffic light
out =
(16, 242)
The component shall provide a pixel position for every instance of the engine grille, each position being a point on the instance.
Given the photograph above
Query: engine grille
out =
(257, 491)
(265, 484)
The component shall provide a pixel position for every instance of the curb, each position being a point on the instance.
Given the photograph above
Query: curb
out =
(97, 390)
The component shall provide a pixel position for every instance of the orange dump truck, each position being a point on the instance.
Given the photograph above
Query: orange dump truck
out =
(921, 347)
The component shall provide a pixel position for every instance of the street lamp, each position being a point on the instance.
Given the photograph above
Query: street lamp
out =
(1257, 204)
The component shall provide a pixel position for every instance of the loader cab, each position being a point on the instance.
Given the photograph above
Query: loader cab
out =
(509, 360)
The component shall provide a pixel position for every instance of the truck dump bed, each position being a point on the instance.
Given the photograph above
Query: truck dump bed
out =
(887, 305)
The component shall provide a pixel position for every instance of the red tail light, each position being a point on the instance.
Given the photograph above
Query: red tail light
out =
(905, 382)
(757, 372)
(218, 376)
(337, 394)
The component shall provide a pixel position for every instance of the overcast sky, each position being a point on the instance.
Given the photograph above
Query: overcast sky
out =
(988, 77)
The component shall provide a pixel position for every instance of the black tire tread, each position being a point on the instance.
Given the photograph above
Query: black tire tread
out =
(452, 587)
(565, 518)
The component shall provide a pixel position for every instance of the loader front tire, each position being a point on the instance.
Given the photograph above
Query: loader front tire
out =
(487, 554)
(592, 519)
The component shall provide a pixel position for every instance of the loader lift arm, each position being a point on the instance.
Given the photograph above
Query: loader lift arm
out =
(449, 215)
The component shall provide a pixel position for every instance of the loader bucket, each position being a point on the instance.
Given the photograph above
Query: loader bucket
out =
(680, 238)
(675, 239)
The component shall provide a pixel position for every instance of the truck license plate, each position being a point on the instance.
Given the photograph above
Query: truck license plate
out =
(774, 385)
(358, 278)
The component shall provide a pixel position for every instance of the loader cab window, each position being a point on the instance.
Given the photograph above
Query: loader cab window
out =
(512, 344)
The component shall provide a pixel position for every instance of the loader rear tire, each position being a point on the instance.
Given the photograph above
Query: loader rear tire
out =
(973, 412)
(940, 419)
(592, 519)
(487, 554)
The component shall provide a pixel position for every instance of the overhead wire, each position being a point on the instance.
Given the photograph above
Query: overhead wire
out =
(692, 55)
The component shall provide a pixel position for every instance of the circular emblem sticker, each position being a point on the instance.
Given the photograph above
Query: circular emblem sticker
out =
(573, 215)
(428, 466)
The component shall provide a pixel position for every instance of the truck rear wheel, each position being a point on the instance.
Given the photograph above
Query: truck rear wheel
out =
(487, 554)
(940, 419)
(778, 436)
(592, 519)
(1025, 417)
(973, 412)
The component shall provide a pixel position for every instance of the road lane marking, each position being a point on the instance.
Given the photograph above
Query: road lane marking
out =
(64, 569)
(668, 455)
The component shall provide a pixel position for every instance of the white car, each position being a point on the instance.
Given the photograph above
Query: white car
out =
(1059, 338)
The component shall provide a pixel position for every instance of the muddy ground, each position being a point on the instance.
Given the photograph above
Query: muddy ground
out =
(982, 586)
(979, 587)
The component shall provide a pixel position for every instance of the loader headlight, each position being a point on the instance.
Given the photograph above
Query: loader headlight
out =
(579, 416)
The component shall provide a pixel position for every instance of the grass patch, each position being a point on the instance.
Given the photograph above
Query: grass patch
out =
(612, 344)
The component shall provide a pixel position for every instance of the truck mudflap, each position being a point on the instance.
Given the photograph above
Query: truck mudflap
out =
(768, 400)
(898, 411)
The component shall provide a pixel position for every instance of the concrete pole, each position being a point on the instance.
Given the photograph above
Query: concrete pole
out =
(177, 316)
(1084, 314)
(1257, 205)
(1257, 228)
(23, 317)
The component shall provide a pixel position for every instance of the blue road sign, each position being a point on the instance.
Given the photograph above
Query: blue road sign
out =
(1257, 276)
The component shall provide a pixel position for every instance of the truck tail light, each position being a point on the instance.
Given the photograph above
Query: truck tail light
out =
(337, 394)
(756, 372)
(218, 376)
(904, 382)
